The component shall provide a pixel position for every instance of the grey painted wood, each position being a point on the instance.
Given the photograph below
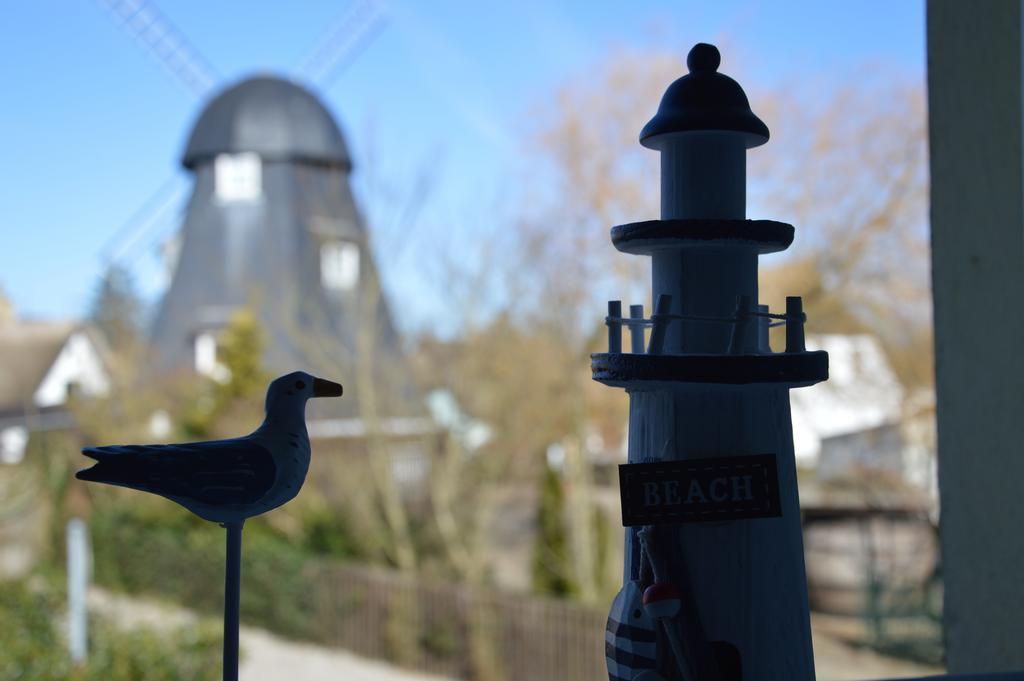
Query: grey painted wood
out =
(977, 219)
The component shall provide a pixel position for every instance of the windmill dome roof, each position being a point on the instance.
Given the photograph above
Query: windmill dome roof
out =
(270, 116)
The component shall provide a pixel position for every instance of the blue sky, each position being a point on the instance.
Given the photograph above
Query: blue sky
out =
(92, 126)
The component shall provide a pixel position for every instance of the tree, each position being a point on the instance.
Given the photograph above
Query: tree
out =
(849, 169)
(531, 298)
(378, 385)
(240, 352)
(226, 404)
(116, 310)
(552, 567)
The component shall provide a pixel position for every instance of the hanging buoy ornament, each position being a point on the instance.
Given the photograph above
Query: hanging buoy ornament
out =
(662, 602)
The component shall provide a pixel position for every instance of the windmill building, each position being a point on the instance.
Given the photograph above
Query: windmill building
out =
(272, 226)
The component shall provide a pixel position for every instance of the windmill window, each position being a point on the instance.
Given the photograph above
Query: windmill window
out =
(339, 265)
(205, 356)
(237, 177)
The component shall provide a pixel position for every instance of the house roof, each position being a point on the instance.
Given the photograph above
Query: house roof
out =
(273, 117)
(27, 351)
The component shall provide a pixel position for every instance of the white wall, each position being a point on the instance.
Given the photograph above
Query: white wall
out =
(862, 392)
(77, 363)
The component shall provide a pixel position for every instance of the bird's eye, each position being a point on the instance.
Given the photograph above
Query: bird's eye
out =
(300, 384)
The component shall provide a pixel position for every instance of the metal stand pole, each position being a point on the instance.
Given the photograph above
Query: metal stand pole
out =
(232, 596)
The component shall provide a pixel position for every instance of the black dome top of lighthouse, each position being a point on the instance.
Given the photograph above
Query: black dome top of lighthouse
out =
(705, 100)
(269, 116)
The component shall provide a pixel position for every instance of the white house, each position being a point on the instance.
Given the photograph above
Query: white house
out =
(861, 393)
(861, 417)
(42, 364)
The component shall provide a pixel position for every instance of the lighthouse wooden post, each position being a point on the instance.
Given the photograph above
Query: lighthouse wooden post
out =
(711, 472)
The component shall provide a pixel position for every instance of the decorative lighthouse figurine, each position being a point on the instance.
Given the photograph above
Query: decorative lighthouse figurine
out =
(709, 496)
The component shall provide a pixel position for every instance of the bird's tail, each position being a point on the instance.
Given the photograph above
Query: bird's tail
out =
(115, 466)
(106, 473)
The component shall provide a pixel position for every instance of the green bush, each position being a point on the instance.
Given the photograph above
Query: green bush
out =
(156, 549)
(32, 649)
(327, 533)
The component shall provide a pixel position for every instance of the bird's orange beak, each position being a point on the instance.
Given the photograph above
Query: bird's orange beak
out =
(325, 388)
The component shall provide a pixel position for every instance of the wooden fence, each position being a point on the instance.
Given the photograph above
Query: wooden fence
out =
(458, 631)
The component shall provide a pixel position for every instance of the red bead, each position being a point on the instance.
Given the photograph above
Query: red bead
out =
(661, 591)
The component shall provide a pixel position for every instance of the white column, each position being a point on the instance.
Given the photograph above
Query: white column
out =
(78, 583)
(977, 221)
(747, 576)
(703, 175)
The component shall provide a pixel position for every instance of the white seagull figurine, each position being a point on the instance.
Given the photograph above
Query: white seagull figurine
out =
(226, 481)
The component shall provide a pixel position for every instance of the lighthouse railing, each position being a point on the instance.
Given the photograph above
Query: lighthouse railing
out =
(745, 314)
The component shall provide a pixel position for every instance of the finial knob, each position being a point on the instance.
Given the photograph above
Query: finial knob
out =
(703, 57)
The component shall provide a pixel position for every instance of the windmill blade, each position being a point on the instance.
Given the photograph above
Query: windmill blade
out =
(145, 222)
(144, 22)
(343, 42)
